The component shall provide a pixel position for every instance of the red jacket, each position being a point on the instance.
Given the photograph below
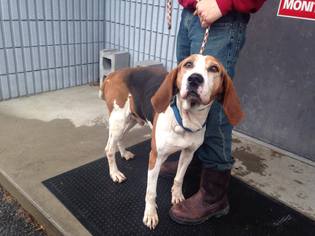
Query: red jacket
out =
(244, 6)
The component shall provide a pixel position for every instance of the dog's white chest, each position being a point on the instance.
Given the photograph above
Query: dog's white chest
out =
(170, 137)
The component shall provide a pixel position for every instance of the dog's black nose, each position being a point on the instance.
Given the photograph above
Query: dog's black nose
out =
(195, 80)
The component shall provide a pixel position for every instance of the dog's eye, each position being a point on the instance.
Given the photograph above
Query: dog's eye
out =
(189, 64)
(213, 68)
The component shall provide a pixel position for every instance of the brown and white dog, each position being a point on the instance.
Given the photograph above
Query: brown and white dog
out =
(143, 95)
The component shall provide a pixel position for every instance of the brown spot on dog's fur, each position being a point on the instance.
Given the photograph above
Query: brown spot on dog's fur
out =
(210, 60)
(115, 89)
(152, 159)
(231, 102)
(252, 162)
(182, 70)
(166, 91)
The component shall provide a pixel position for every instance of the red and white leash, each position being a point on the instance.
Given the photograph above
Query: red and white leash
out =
(169, 9)
(204, 41)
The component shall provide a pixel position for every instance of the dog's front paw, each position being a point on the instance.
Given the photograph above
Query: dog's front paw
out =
(128, 155)
(118, 177)
(150, 218)
(177, 195)
(177, 198)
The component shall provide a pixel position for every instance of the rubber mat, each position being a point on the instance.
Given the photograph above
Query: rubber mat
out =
(107, 208)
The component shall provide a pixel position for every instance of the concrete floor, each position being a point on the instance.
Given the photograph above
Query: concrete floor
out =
(48, 134)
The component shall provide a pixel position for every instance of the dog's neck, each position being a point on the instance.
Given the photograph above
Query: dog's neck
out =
(193, 119)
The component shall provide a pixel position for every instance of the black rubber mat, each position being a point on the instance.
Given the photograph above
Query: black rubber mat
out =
(106, 208)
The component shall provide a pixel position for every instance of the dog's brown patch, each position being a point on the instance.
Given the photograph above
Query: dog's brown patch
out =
(182, 70)
(152, 159)
(231, 101)
(164, 94)
(115, 89)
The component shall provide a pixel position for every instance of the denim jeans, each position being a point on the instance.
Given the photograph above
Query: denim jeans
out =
(226, 38)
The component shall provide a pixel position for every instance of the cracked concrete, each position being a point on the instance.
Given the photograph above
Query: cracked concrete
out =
(48, 134)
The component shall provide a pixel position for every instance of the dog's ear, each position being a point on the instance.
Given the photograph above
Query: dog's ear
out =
(230, 100)
(163, 96)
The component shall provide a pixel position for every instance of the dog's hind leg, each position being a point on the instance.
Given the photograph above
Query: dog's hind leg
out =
(119, 120)
(121, 146)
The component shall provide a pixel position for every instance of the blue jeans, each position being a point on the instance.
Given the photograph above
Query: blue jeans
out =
(226, 38)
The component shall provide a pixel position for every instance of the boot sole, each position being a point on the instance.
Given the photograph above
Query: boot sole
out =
(218, 214)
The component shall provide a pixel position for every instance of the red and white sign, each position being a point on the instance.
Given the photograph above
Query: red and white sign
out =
(302, 9)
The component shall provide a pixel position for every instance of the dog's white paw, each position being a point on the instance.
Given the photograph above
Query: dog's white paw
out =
(177, 198)
(118, 177)
(150, 218)
(128, 155)
(177, 195)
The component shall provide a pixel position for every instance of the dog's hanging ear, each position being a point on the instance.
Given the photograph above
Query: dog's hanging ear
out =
(164, 94)
(230, 100)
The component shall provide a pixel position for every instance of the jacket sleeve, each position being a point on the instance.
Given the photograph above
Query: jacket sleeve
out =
(190, 4)
(244, 6)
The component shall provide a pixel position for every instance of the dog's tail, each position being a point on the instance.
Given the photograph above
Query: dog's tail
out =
(101, 89)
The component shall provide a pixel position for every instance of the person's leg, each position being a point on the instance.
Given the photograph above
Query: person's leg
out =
(225, 41)
(183, 41)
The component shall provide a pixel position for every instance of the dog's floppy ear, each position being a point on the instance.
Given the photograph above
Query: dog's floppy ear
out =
(164, 94)
(230, 100)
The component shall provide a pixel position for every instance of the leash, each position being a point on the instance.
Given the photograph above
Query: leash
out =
(204, 41)
(169, 9)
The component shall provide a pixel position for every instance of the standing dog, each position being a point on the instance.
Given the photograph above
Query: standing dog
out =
(176, 106)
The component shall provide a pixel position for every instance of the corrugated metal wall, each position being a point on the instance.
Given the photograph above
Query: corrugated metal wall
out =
(53, 44)
(140, 27)
(48, 44)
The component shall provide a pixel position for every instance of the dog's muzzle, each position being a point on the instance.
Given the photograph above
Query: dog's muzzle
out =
(194, 81)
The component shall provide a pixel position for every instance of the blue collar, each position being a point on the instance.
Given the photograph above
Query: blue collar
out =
(178, 117)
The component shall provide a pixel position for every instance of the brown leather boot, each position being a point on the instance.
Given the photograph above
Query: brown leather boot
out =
(169, 168)
(210, 201)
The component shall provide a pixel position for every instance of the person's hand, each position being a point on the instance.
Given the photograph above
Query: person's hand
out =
(208, 12)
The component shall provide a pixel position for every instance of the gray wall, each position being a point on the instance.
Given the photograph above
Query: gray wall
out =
(276, 81)
(140, 27)
(49, 44)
